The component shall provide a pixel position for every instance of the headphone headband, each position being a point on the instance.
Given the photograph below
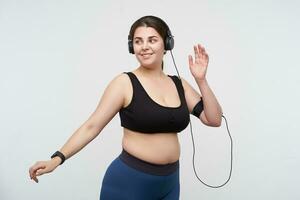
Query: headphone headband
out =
(168, 40)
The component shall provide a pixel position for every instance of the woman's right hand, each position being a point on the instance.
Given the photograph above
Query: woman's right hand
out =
(43, 167)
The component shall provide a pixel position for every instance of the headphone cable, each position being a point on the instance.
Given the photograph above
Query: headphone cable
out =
(231, 147)
(231, 143)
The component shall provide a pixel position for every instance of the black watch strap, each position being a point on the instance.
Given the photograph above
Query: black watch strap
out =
(59, 154)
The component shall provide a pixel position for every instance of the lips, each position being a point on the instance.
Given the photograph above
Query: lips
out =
(146, 55)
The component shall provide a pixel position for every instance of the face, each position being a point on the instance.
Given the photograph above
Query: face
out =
(148, 46)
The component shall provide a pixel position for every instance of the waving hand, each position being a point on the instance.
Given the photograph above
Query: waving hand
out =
(199, 67)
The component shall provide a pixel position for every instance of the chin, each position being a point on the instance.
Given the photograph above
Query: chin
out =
(146, 63)
(149, 65)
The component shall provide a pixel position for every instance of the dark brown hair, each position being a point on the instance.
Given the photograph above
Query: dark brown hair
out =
(151, 21)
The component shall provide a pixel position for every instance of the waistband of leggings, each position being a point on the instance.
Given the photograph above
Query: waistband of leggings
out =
(147, 167)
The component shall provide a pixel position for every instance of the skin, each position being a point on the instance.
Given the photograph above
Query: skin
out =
(159, 148)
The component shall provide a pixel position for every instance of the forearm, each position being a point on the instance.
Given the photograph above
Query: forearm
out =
(80, 138)
(211, 107)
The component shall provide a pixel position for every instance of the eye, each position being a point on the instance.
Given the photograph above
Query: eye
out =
(152, 40)
(137, 41)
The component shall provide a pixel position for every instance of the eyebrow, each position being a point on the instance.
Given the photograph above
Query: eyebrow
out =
(148, 37)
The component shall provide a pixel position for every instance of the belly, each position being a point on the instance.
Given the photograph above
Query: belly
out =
(159, 148)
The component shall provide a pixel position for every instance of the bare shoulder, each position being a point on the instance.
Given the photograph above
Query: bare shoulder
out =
(119, 79)
(188, 88)
(123, 80)
(185, 83)
(119, 82)
(122, 84)
(192, 96)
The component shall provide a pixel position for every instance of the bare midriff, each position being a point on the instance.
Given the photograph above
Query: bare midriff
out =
(157, 148)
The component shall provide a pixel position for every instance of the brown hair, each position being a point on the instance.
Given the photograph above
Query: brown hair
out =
(151, 21)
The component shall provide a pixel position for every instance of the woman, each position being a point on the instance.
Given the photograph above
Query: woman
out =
(153, 108)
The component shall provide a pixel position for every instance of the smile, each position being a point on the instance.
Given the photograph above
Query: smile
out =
(146, 55)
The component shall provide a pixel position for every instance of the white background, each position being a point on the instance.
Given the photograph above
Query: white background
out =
(57, 57)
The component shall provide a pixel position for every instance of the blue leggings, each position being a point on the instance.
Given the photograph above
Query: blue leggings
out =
(128, 178)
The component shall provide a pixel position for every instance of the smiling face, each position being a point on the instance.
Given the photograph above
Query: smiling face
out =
(148, 47)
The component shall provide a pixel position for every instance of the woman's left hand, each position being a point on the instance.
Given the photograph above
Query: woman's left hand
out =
(199, 67)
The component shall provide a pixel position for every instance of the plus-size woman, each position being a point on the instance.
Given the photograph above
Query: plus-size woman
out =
(153, 108)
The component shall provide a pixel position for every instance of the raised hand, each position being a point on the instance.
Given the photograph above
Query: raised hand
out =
(199, 67)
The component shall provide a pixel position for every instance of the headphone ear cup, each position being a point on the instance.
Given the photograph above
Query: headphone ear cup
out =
(130, 46)
(169, 41)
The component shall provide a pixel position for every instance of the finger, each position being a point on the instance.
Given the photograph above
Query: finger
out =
(31, 172)
(207, 57)
(201, 48)
(30, 175)
(201, 51)
(39, 166)
(34, 169)
(40, 172)
(35, 179)
(196, 52)
(190, 60)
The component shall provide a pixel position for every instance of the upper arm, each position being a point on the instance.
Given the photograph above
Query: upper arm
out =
(192, 98)
(110, 103)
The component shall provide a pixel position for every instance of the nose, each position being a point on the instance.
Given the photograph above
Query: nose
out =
(145, 45)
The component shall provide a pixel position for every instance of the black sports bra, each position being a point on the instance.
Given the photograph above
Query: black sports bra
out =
(145, 115)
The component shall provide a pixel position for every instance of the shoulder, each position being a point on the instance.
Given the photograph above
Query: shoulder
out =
(120, 83)
(119, 79)
(117, 83)
(184, 82)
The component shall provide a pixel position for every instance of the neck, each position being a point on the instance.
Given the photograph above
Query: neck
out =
(155, 72)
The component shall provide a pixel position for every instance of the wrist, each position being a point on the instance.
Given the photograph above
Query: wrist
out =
(201, 80)
(60, 155)
(56, 160)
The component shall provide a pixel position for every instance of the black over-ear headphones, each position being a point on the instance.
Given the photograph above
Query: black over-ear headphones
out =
(168, 42)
